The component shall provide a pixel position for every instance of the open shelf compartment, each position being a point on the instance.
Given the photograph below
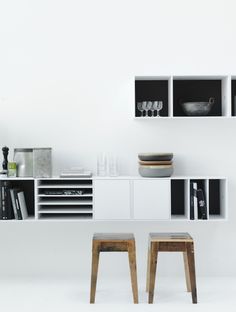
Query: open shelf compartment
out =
(200, 89)
(179, 199)
(152, 89)
(28, 187)
(217, 199)
(65, 198)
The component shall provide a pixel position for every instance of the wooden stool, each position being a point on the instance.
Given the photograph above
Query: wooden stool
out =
(114, 242)
(171, 242)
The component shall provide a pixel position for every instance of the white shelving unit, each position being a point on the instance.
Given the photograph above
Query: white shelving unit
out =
(171, 89)
(125, 198)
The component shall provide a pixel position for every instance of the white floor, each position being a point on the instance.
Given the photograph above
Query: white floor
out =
(72, 295)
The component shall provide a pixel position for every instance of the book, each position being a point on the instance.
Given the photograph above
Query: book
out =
(6, 210)
(3, 202)
(1, 210)
(15, 203)
(191, 201)
(9, 206)
(202, 209)
(195, 200)
(22, 204)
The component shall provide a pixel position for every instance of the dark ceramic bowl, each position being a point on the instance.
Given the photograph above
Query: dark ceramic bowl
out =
(155, 156)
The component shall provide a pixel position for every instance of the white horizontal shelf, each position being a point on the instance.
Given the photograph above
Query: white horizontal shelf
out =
(59, 211)
(184, 117)
(65, 186)
(63, 218)
(65, 202)
(16, 220)
(67, 196)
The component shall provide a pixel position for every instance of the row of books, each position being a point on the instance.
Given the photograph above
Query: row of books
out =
(12, 202)
(198, 208)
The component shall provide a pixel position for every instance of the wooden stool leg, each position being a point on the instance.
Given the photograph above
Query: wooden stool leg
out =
(95, 260)
(148, 269)
(186, 268)
(133, 270)
(192, 275)
(152, 271)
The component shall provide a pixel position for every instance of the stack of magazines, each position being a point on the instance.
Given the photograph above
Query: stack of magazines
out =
(12, 202)
(76, 173)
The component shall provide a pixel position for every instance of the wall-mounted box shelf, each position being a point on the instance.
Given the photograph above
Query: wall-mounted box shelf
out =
(175, 90)
(120, 198)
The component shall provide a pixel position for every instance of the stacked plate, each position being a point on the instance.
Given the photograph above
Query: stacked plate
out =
(155, 165)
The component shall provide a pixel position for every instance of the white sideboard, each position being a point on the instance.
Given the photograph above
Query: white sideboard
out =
(120, 198)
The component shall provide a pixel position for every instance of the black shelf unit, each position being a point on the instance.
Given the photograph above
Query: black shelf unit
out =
(151, 90)
(197, 90)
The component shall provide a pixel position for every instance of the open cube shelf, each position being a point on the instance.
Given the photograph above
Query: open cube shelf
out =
(173, 91)
(186, 202)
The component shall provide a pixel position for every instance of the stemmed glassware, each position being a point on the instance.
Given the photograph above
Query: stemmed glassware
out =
(152, 106)
(157, 105)
(148, 107)
(140, 108)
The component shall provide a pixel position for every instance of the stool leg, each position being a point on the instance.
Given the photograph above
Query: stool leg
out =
(152, 271)
(95, 260)
(186, 268)
(133, 271)
(192, 275)
(148, 269)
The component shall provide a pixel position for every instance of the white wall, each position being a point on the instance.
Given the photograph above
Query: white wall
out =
(67, 80)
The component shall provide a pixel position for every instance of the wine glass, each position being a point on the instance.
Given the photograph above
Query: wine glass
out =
(144, 105)
(159, 107)
(148, 107)
(140, 108)
(153, 109)
(155, 105)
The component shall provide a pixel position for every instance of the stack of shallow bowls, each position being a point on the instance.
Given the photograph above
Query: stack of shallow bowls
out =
(155, 165)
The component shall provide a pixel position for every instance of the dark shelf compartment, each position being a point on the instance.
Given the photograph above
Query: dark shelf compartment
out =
(199, 90)
(151, 90)
(178, 198)
(27, 186)
(64, 181)
(214, 198)
(65, 216)
(233, 97)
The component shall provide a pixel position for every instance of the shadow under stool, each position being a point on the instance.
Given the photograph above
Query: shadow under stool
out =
(171, 242)
(113, 242)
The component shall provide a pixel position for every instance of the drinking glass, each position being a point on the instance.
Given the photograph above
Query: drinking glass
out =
(112, 166)
(102, 165)
(153, 109)
(149, 106)
(144, 105)
(159, 107)
(140, 108)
